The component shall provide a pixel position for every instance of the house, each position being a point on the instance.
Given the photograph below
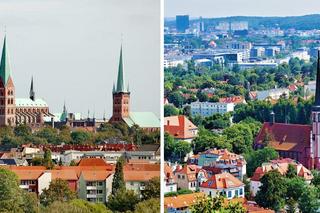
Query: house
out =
(223, 184)
(136, 180)
(95, 185)
(170, 183)
(273, 94)
(180, 127)
(181, 203)
(186, 177)
(216, 161)
(280, 165)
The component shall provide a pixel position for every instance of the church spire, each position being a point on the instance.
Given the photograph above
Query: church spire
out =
(5, 69)
(120, 81)
(316, 105)
(32, 93)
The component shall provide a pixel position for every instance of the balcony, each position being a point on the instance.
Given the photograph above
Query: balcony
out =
(91, 195)
(24, 186)
(91, 187)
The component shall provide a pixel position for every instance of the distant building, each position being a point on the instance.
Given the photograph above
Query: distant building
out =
(225, 184)
(257, 52)
(239, 25)
(13, 111)
(182, 23)
(260, 64)
(301, 55)
(234, 99)
(172, 63)
(272, 51)
(314, 52)
(186, 177)
(274, 94)
(180, 127)
(208, 108)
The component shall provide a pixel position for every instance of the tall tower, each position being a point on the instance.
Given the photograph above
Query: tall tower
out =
(7, 90)
(315, 139)
(121, 96)
(32, 93)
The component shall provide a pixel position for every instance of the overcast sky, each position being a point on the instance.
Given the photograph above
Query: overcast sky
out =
(71, 47)
(218, 8)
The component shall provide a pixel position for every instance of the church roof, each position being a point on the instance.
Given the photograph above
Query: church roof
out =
(285, 137)
(120, 82)
(5, 69)
(143, 120)
(27, 102)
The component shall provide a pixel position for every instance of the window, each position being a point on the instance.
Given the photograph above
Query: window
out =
(229, 193)
(236, 192)
(241, 191)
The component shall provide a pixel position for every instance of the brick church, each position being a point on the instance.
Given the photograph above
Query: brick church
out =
(299, 142)
(13, 111)
(121, 106)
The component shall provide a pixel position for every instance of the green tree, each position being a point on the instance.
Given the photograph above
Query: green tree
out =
(168, 146)
(170, 110)
(30, 202)
(47, 159)
(295, 187)
(10, 194)
(118, 183)
(123, 200)
(309, 201)
(272, 191)
(22, 130)
(87, 206)
(152, 189)
(256, 158)
(58, 191)
(291, 172)
(80, 137)
(181, 149)
(148, 206)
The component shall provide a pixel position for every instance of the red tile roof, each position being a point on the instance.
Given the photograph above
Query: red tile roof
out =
(95, 175)
(222, 181)
(141, 176)
(285, 137)
(189, 170)
(179, 127)
(182, 201)
(92, 162)
(234, 99)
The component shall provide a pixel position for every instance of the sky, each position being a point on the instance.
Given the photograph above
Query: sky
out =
(71, 48)
(218, 8)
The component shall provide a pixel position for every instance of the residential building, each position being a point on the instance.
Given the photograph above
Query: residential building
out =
(209, 108)
(234, 99)
(223, 184)
(281, 165)
(186, 177)
(95, 186)
(273, 94)
(180, 127)
(170, 182)
(253, 65)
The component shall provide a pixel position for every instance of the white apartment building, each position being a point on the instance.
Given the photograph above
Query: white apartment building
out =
(207, 108)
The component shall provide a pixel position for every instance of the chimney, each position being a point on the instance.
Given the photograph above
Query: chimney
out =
(272, 117)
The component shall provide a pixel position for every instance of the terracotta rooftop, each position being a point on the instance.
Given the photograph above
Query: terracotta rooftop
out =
(141, 167)
(140, 176)
(182, 201)
(179, 127)
(189, 170)
(234, 99)
(64, 174)
(92, 162)
(95, 175)
(28, 174)
(222, 181)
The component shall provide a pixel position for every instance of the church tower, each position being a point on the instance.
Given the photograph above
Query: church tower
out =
(32, 93)
(7, 90)
(121, 96)
(315, 139)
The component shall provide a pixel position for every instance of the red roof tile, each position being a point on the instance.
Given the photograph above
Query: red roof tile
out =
(179, 127)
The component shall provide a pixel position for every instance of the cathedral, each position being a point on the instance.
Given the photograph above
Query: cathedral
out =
(13, 111)
(121, 106)
(295, 141)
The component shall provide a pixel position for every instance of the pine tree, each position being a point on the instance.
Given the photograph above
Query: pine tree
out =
(118, 179)
(47, 159)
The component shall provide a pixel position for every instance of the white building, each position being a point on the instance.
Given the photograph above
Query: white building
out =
(172, 63)
(272, 93)
(207, 108)
(223, 184)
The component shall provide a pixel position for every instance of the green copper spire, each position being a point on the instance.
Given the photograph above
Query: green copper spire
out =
(120, 82)
(5, 69)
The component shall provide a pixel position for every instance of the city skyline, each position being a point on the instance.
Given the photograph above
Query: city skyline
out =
(228, 8)
(74, 58)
